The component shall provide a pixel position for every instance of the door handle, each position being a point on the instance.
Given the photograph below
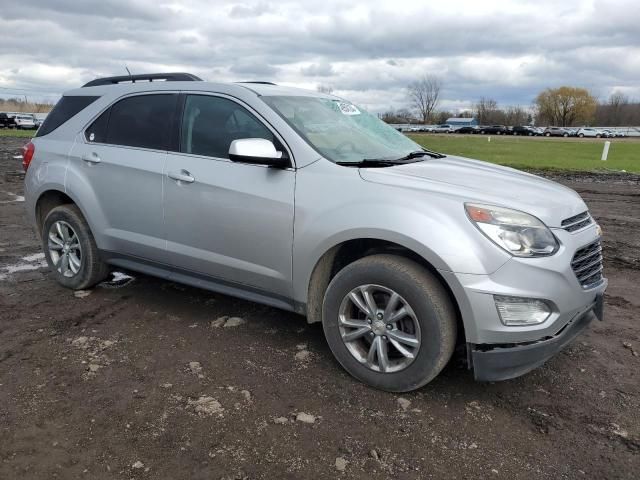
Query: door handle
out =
(92, 158)
(181, 176)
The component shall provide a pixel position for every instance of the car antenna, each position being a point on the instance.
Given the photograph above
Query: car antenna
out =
(130, 76)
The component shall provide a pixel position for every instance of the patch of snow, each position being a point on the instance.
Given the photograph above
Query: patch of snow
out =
(23, 267)
(34, 257)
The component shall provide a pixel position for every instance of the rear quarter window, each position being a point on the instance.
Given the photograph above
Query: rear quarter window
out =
(65, 109)
(142, 121)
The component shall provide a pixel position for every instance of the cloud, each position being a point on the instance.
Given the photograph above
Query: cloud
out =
(322, 69)
(248, 11)
(369, 52)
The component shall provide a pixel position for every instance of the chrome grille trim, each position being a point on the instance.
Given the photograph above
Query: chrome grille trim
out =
(587, 265)
(576, 222)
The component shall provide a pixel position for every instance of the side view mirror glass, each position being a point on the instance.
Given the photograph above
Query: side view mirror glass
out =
(257, 151)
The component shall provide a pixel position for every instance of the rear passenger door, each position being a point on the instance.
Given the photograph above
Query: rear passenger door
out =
(227, 220)
(121, 159)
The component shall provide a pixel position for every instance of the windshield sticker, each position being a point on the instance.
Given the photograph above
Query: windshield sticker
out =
(348, 108)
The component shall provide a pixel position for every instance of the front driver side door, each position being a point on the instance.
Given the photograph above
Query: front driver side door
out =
(228, 221)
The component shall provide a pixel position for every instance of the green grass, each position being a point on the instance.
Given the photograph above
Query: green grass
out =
(12, 132)
(539, 153)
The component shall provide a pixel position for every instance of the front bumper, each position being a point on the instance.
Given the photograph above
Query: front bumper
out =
(502, 362)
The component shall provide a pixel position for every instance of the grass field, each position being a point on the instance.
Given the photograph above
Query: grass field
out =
(12, 132)
(538, 153)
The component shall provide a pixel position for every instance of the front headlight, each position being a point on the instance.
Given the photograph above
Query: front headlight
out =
(518, 233)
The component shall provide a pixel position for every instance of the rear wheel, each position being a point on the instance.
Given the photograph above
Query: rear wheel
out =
(71, 250)
(389, 322)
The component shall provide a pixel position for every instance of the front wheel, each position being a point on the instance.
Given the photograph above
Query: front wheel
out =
(71, 250)
(389, 322)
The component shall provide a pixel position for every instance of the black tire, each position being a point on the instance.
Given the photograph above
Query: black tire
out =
(547, 134)
(92, 269)
(581, 135)
(426, 296)
(565, 135)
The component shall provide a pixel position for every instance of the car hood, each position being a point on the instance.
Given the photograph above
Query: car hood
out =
(482, 182)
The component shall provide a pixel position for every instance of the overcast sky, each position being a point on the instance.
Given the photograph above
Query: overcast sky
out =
(366, 51)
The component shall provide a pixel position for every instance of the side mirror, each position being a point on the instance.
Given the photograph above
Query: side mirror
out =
(257, 151)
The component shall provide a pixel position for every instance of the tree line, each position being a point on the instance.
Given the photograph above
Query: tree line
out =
(565, 106)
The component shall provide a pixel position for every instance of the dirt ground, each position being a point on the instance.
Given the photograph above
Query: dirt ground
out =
(140, 379)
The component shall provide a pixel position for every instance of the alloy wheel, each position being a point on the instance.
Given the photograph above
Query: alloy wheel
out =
(379, 328)
(64, 249)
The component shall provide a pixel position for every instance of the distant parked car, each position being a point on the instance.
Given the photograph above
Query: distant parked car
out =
(556, 132)
(25, 122)
(6, 121)
(494, 129)
(467, 129)
(589, 132)
(524, 130)
(38, 121)
(444, 128)
(422, 128)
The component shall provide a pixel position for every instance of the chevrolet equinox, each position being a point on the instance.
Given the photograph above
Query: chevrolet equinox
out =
(306, 202)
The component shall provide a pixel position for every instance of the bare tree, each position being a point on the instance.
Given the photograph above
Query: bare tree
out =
(486, 111)
(424, 95)
(515, 115)
(618, 103)
(402, 115)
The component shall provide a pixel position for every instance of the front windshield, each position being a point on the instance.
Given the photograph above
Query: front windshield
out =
(340, 131)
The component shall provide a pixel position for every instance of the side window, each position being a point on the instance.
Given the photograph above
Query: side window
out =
(142, 121)
(210, 124)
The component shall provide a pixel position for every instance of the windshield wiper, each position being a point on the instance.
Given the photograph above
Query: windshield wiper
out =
(388, 162)
(422, 153)
(372, 162)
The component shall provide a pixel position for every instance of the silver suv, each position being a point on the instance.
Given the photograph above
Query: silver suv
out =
(305, 202)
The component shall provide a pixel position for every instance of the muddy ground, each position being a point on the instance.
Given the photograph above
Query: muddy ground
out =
(136, 382)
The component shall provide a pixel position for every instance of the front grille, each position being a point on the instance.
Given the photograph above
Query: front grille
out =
(576, 222)
(587, 265)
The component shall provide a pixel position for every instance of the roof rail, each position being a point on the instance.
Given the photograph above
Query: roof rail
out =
(258, 82)
(149, 77)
